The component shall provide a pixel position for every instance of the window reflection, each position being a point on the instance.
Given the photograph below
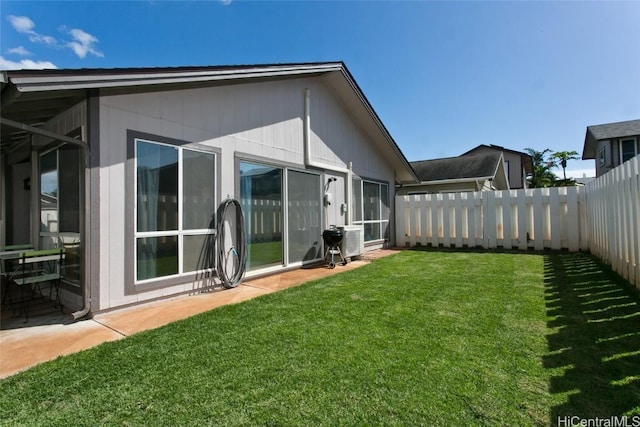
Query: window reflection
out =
(261, 198)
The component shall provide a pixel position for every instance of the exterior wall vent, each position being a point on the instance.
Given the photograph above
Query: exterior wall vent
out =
(353, 241)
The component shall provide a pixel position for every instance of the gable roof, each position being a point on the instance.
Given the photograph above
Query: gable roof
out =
(527, 161)
(469, 167)
(605, 131)
(494, 147)
(33, 97)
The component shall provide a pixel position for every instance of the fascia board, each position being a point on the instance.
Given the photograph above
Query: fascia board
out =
(93, 81)
(454, 180)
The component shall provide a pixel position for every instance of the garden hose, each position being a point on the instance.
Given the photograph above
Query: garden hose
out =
(234, 254)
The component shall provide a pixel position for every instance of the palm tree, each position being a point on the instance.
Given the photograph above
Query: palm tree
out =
(563, 157)
(541, 175)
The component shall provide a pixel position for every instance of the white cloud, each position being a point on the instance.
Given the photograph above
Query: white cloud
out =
(83, 43)
(225, 2)
(21, 24)
(25, 64)
(24, 25)
(20, 50)
(39, 38)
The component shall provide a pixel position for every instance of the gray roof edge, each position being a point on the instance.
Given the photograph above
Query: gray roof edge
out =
(44, 80)
(615, 129)
(495, 147)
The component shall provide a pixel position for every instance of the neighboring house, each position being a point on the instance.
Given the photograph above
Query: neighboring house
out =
(517, 164)
(126, 168)
(611, 144)
(480, 172)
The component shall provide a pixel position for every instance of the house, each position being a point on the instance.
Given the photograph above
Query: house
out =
(126, 168)
(480, 172)
(611, 144)
(516, 163)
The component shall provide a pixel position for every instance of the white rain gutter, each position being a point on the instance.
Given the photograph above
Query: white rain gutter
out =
(309, 162)
(451, 181)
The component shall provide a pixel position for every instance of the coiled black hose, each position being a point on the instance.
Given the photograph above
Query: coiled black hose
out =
(236, 252)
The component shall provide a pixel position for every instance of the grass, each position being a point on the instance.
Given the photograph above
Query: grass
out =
(419, 338)
(262, 254)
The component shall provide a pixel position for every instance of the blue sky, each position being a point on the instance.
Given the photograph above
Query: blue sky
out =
(443, 76)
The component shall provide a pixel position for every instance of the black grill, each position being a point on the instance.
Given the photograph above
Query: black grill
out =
(333, 236)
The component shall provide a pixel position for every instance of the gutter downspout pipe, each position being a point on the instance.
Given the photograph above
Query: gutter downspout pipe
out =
(309, 162)
(86, 300)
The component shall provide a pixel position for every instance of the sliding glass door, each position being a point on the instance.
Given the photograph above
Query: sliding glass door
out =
(280, 204)
(304, 216)
(261, 199)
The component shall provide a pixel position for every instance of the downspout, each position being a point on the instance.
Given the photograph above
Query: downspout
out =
(86, 303)
(88, 238)
(309, 162)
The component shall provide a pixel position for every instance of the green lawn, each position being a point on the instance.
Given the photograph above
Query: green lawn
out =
(419, 338)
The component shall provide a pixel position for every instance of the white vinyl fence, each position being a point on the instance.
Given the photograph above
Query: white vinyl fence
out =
(602, 218)
(613, 210)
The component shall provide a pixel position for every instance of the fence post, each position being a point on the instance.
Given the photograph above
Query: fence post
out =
(401, 215)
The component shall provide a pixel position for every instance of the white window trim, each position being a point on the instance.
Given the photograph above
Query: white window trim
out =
(375, 221)
(635, 147)
(180, 233)
(602, 157)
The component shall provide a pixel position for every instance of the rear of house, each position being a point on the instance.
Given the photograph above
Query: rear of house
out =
(125, 168)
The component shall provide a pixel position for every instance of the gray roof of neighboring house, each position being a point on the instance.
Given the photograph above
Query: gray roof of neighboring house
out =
(464, 167)
(597, 133)
(495, 147)
(482, 148)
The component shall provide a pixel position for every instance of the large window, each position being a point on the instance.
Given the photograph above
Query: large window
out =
(175, 209)
(628, 149)
(371, 208)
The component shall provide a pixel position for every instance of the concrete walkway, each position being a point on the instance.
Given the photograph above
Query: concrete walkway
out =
(43, 338)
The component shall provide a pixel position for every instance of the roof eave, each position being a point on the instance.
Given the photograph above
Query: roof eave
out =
(590, 145)
(98, 79)
(453, 180)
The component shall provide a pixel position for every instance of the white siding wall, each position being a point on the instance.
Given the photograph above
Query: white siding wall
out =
(259, 119)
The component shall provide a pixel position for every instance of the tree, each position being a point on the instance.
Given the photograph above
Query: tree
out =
(541, 175)
(563, 157)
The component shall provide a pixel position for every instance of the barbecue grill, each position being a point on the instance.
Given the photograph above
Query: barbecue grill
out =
(332, 238)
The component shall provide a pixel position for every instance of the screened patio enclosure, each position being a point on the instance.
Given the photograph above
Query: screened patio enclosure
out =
(42, 192)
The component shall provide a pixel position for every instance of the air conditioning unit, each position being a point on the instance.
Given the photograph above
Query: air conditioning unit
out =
(353, 241)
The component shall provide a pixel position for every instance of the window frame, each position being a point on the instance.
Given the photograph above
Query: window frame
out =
(635, 148)
(132, 284)
(71, 240)
(285, 167)
(602, 157)
(384, 216)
